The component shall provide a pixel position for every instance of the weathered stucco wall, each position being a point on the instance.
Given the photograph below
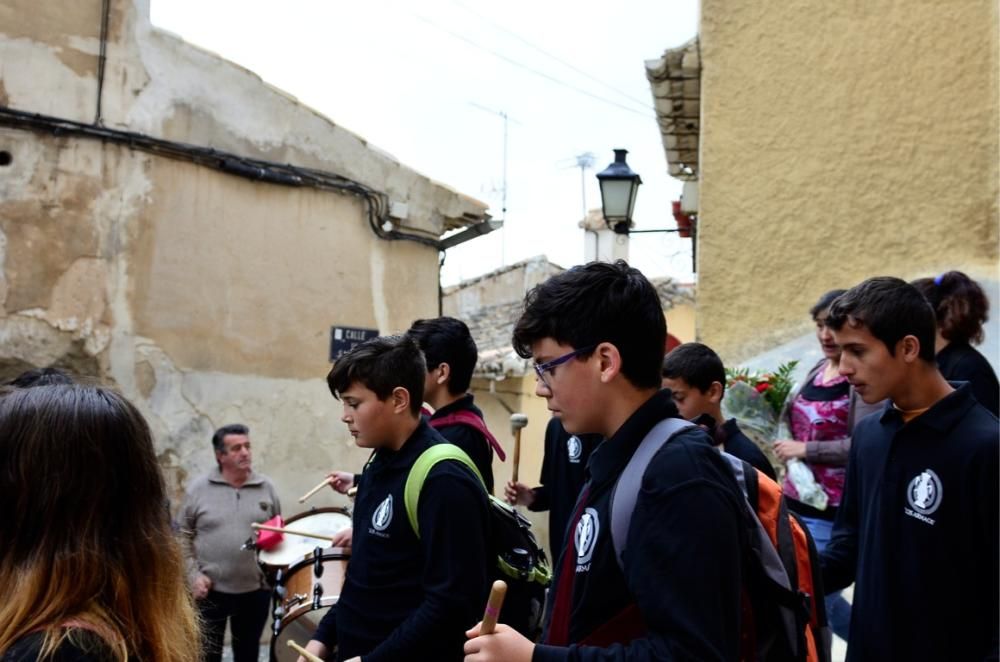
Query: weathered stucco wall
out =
(207, 298)
(840, 141)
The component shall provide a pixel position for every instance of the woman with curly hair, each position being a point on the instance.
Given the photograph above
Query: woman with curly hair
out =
(89, 568)
(961, 309)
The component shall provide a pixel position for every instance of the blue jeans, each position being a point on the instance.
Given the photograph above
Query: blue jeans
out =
(838, 609)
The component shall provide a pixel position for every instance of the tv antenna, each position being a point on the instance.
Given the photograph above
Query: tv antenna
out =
(503, 188)
(584, 162)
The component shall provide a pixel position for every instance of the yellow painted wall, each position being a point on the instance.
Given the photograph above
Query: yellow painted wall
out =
(681, 322)
(840, 140)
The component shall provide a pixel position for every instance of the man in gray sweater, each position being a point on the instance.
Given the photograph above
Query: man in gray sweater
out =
(215, 522)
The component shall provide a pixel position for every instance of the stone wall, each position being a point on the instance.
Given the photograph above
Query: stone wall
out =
(205, 297)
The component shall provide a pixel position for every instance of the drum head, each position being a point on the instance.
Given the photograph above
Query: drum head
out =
(294, 548)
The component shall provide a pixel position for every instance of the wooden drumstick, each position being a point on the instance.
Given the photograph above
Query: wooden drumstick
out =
(291, 532)
(353, 492)
(304, 497)
(303, 652)
(517, 423)
(493, 605)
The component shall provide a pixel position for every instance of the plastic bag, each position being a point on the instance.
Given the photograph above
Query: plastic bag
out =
(810, 492)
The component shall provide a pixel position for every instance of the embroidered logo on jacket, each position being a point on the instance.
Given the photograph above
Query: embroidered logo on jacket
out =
(382, 516)
(924, 494)
(574, 448)
(585, 538)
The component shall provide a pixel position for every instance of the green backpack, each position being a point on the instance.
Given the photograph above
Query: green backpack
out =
(520, 562)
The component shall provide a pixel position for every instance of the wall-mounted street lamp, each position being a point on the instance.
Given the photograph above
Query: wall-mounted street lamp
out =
(619, 185)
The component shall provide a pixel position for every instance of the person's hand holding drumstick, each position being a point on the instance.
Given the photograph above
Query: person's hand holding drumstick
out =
(341, 481)
(315, 648)
(490, 642)
(343, 538)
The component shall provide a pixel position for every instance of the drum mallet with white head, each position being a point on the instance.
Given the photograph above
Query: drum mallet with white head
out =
(517, 423)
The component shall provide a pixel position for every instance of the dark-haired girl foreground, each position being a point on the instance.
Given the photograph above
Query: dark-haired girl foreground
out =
(89, 570)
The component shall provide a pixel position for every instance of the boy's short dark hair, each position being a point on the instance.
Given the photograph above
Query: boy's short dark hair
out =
(697, 364)
(447, 340)
(891, 309)
(824, 302)
(594, 303)
(380, 365)
(41, 377)
(219, 437)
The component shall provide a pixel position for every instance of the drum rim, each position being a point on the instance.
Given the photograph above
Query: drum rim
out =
(318, 511)
(327, 601)
(326, 553)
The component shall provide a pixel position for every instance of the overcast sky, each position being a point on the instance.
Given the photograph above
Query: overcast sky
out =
(426, 81)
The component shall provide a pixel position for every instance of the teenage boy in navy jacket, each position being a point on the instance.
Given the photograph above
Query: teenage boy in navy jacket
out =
(564, 471)
(917, 526)
(696, 378)
(597, 336)
(451, 357)
(404, 597)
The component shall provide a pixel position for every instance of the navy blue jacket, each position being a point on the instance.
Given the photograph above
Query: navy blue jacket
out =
(406, 598)
(960, 362)
(683, 557)
(468, 438)
(739, 445)
(917, 530)
(564, 471)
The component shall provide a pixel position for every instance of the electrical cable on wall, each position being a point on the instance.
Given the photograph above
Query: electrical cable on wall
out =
(254, 169)
(102, 58)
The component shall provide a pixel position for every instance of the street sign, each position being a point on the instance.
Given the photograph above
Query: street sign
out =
(345, 338)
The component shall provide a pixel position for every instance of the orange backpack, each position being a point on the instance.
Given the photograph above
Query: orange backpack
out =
(783, 615)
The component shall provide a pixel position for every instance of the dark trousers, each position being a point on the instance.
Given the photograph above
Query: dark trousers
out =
(246, 612)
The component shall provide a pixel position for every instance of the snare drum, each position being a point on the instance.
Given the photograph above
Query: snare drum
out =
(304, 594)
(293, 548)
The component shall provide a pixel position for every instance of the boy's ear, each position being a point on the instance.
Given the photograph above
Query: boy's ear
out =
(610, 361)
(400, 400)
(444, 373)
(715, 392)
(908, 348)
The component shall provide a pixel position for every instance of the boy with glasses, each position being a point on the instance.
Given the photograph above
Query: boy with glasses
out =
(597, 335)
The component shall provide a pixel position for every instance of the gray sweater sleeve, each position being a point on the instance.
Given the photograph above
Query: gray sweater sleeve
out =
(186, 534)
(836, 452)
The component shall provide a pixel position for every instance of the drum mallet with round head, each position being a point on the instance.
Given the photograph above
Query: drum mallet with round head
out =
(517, 423)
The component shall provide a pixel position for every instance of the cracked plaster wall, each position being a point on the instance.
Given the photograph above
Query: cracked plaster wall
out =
(206, 298)
(840, 141)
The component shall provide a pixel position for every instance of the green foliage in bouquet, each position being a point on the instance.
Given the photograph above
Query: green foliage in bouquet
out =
(773, 386)
(755, 400)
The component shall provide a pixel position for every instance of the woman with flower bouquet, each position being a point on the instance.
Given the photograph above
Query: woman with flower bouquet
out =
(815, 438)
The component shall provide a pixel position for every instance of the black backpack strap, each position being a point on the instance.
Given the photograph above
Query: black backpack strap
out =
(821, 632)
(786, 546)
